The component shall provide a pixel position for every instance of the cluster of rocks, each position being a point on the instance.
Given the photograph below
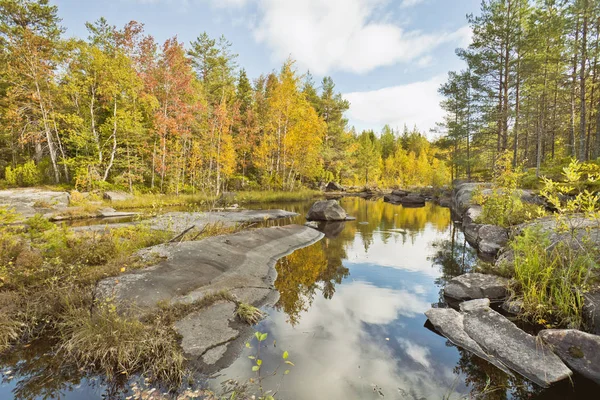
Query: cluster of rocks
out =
(476, 327)
(489, 240)
(407, 199)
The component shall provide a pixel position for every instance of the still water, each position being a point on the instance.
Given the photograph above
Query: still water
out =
(350, 314)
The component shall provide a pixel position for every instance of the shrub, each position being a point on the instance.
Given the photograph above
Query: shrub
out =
(504, 206)
(550, 278)
(23, 175)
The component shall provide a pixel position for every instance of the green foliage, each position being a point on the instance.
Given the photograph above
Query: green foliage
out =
(571, 194)
(504, 206)
(550, 278)
(23, 175)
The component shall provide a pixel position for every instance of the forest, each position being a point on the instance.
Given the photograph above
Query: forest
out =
(530, 87)
(121, 110)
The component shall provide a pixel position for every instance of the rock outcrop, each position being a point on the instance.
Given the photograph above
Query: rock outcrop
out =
(326, 210)
(476, 286)
(117, 196)
(29, 202)
(579, 350)
(591, 311)
(494, 338)
(241, 264)
(334, 187)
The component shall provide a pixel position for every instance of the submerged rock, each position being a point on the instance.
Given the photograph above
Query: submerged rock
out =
(579, 350)
(493, 337)
(476, 286)
(326, 210)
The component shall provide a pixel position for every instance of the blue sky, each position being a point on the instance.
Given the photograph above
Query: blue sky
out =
(386, 56)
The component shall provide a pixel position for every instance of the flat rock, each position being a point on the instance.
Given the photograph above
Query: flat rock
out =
(515, 348)
(190, 270)
(117, 196)
(326, 210)
(476, 286)
(112, 213)
(579, 350)
(449, 323)
(207, 329)
(179, 221)
(31, 201)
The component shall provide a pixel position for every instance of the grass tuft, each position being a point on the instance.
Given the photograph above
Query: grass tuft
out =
(249, 314)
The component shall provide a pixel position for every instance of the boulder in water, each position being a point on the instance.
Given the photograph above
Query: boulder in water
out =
(579, 350)
(326, 210)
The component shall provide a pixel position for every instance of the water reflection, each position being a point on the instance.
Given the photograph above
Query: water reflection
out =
(351, 315)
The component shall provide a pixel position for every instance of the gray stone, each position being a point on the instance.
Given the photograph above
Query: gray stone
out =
(326, 210)
(491, 239)
(591, 311)
(463, 194)
(400, 193)
(471, 232)
(449, 323)
(312, 224)
(515, 348)
(112, 213)
(412, 200)
(215, 354)
(30, 201)
(472, 214)
(445, 202)
(334, 187)
(514, 307)
(579, 350)
(207, 329)
(476, 286)
(474, 305)
(193, 269)
(117, 196)
(179, 221)
(392, 198)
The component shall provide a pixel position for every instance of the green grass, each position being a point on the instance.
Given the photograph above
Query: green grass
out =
(249, 314)
(551, 278)
(275, 196)
(157, 201)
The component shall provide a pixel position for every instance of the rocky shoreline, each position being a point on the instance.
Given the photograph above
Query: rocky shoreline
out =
(546, 358)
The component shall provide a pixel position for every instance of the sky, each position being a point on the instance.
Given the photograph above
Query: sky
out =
(387, 57)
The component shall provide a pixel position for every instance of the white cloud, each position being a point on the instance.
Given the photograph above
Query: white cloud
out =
(416, 103)
(410, 3)
(323, 38)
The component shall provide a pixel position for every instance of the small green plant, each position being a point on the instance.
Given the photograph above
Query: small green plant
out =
(258, 367)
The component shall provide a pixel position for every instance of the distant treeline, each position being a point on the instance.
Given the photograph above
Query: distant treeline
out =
(118, 109)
